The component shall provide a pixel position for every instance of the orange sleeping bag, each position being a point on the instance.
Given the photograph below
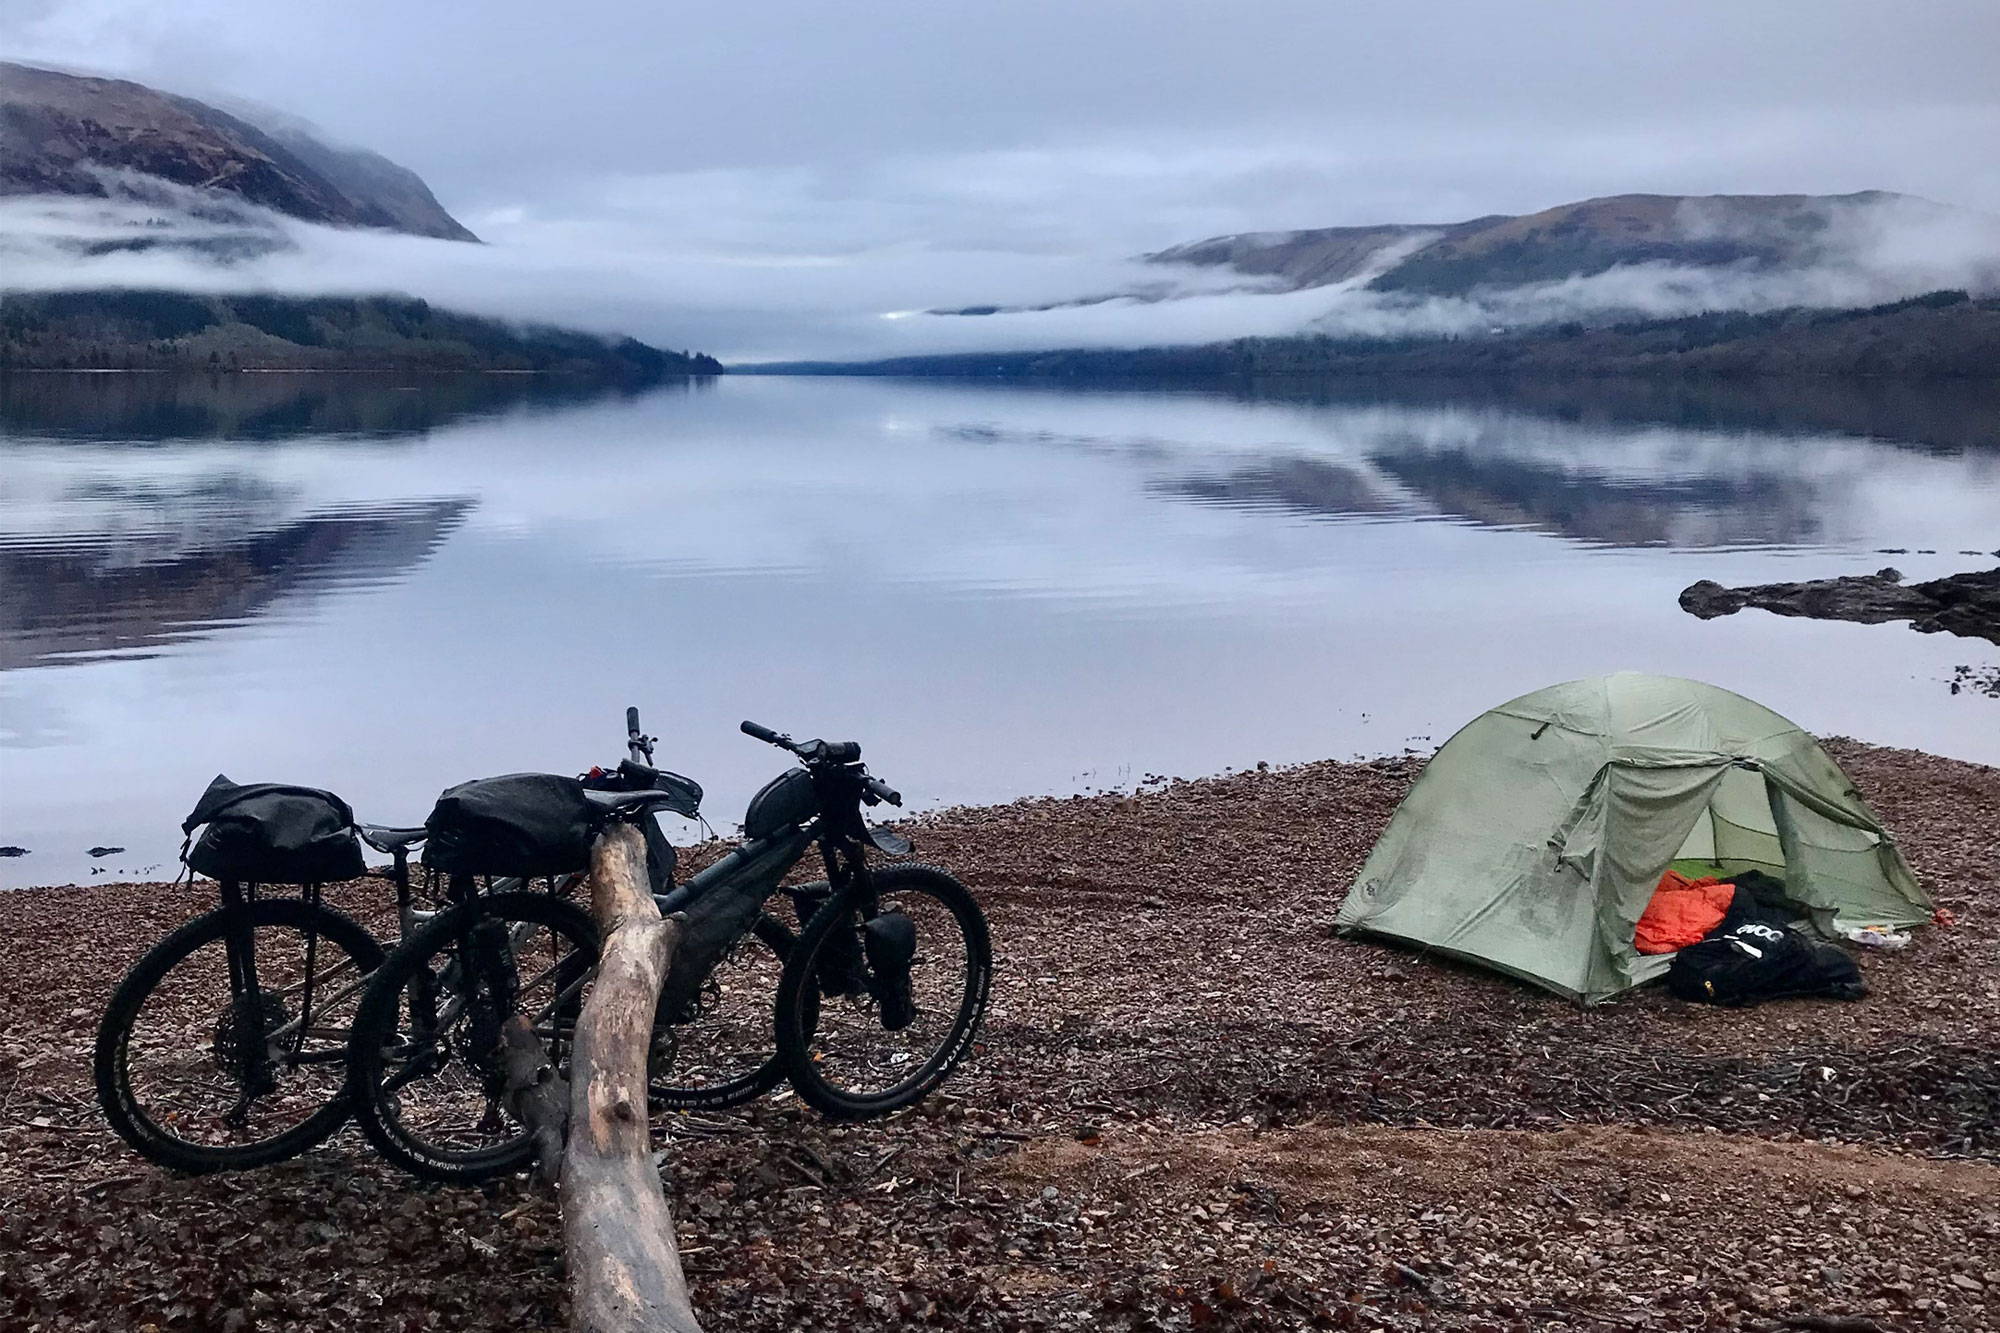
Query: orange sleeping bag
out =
(1681, 913)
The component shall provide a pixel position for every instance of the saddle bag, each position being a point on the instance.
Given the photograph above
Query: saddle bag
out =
(526, 824)
(269, 833)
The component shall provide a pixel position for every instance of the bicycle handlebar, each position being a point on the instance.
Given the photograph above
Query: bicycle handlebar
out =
(768, 736)
(637, 743)
(873, 790)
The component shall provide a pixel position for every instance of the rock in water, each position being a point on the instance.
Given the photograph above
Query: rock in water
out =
(1965, 604)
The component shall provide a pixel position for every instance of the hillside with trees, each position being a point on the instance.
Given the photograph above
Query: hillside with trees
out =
(157, 330)
(213, 186)
(1944, 335)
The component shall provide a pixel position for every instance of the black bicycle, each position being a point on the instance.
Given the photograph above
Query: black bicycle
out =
(886, 987)
(227, 1045)
(866, 1011)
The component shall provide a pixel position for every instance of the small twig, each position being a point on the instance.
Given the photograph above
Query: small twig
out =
(817, 1180)
(1412, 1276)
(884, 1160)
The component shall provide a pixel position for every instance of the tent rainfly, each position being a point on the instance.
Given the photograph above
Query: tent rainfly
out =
(1535, 837)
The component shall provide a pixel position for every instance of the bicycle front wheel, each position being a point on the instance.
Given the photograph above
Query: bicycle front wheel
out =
(878, 1005)
(199, 1071)
(428, 1060)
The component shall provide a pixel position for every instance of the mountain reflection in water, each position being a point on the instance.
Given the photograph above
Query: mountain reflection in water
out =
(383, 587)
(280, 405)
(1702, 509)
(1308, 486)
(96, 595)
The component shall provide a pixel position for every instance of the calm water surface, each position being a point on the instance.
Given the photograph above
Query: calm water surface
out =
(384, 588)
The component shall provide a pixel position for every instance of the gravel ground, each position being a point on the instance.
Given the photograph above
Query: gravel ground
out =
(1192, 1108)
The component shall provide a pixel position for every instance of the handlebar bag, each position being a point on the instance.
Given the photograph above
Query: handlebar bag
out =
(526, 824)
(269, 833)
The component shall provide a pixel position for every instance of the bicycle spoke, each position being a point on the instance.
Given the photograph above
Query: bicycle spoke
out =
(725, 1053)
(437, 1093)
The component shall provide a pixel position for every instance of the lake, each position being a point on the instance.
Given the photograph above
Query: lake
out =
(384, 586)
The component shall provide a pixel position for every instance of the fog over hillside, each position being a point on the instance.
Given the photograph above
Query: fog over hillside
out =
(1881, 251)
(791, 183)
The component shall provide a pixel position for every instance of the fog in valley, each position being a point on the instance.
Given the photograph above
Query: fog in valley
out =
(791, 182)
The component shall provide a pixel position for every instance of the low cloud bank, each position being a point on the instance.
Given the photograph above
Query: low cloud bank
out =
(621, 271)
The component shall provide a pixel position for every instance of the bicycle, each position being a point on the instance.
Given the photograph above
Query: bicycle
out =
(226, 1046)
(427, 1054)
(893, 968)
(860, 946)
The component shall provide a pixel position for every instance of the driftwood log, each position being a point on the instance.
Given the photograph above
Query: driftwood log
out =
(538, 1094)
(618, 1234)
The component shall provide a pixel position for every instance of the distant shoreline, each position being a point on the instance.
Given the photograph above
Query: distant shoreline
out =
(1280, 778)
(135, 329)
(423, 371)
(1945, 336)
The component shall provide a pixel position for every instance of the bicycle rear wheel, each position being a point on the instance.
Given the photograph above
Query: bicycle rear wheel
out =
(200, 1073)
(427, 1059)
(875, 1011)
(727, 1054)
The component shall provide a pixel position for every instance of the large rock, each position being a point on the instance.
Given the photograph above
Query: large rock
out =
(1965, 604)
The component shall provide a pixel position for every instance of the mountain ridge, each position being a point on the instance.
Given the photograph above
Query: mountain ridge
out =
(206, 182)
(1572, 240)
(59, 132)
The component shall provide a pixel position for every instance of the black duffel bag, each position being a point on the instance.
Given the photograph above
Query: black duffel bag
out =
(1749, 961)
(269, 833)
(526, 824)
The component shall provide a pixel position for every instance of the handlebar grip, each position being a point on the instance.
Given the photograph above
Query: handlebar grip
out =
(631, 720)
(882, 791)
(764, 734)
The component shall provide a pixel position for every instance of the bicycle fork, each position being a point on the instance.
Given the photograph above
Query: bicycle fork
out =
(875, 958)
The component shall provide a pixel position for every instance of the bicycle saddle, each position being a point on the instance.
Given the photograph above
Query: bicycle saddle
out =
(627, 802)
(389, 839)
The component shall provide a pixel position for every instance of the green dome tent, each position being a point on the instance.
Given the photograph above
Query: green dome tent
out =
(1534, 838)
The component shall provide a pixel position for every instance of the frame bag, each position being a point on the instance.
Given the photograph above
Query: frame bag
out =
(269, 833)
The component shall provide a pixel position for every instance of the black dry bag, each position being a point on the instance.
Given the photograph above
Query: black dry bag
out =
(268, 833)
(1753, 961)
(526, 824)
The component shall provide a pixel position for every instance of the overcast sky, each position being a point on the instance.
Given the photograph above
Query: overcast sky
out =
(931, 148)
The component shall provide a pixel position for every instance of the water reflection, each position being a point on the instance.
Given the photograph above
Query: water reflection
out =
(1943, 416)
(96, 595)
(1299, 485)
(1693, 510)
(1603, 484)
(280, 405)
(999, 589)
